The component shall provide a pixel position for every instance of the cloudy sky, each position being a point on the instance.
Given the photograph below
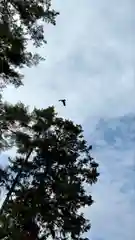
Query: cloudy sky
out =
(90, 58)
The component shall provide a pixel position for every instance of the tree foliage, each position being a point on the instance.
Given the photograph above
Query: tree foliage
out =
(50, 191)
(13, 118)
(21, 22)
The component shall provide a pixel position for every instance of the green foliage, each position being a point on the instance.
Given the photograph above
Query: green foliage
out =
(13, 119)
(21, 22)
(49, 191)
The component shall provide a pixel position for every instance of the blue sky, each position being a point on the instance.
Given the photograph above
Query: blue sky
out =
(90, 58)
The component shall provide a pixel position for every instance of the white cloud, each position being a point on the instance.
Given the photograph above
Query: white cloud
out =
(112, 215)
(90, 61)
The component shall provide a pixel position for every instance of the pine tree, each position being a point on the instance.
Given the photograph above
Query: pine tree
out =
(50, 191)
(13, 118)
(21, 23)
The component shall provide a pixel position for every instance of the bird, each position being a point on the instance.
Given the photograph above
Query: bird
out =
(63, 101)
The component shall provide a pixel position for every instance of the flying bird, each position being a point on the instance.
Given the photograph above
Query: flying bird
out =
(63, 101)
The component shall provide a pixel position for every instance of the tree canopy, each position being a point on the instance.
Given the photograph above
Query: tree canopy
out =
(21, 23)
(52, 165)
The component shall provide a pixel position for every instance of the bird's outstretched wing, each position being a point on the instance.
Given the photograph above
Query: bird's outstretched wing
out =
(63, 101)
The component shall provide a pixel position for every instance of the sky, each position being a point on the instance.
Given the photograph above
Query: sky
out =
(90, 58)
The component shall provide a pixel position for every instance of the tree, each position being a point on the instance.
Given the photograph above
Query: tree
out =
(50, 189)
(21, 22)
(13, 118)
